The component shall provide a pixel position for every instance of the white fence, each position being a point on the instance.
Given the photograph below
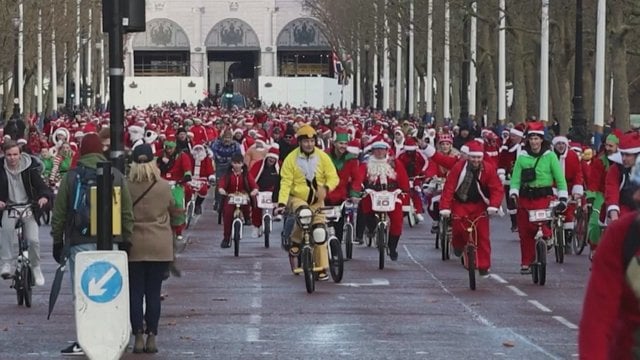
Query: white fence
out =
(314, 92)
(145, 91)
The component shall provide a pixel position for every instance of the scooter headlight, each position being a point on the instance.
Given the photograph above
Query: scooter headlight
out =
(305, 216)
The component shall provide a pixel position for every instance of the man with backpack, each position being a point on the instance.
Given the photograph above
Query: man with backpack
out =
(70, 222)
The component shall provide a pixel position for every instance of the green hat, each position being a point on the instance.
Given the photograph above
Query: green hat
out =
(613, 138)
(342, 136)
(169, 144)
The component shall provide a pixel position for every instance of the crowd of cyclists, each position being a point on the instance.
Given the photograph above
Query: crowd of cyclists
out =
(318, 157)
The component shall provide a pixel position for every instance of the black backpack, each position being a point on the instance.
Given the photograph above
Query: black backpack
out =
(80, 199)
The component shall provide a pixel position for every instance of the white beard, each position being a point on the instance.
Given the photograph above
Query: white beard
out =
(380, 170)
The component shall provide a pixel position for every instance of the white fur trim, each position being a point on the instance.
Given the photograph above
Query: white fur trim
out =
(464, 149)
(560, 139)
(353, 150)
(612, 208)
(535, 132)
(501, 172)
(475, 153)
(569, 226)
(563, 194)
(410, 148)
(616, 158)
(430, 151)
(577, 189)
(516, 132)
(515, 192)
(630, 151)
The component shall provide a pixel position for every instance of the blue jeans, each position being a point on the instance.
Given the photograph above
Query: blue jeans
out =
(145, 282)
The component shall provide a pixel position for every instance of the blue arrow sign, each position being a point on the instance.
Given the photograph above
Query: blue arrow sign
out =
(101, 282)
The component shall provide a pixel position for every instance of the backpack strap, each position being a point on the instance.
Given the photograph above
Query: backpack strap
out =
(631, 242)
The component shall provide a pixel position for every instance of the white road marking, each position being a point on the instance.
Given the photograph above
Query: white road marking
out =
(540, 307)
(374, 282)
(566, 322)
(498, 278)
(255, 319)
(253, 334)
(474, 314)
(516, 290)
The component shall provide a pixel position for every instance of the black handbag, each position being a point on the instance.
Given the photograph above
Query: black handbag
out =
(529, 175)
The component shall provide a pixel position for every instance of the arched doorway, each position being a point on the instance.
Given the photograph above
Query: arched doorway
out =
(163, 50)
(303, 49)
(233, 53)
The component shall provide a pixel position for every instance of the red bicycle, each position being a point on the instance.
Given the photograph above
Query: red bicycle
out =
(470, 251)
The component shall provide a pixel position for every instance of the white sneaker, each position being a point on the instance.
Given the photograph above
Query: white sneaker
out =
(254, 232)
(37, 275)
(420, 217)
(6, 270)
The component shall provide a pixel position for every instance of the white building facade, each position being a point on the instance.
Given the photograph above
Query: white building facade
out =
(207, 43)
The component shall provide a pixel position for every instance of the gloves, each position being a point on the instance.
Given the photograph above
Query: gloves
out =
(417, 188)
(222, 192)
(492, 210)
(562, 206)
(430, 151)
(186, 178)
(57, 251)
(212, 179)
(445, 213)
(502, 178)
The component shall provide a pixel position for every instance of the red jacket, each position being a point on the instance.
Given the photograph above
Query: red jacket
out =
(176, 168)
(612, 189)
(237, 183)
(489, 184)
(351, 178)
(570, 164)
(202, 168)
(415, 160)
(598, 173)
(507, 156)
(611, 311)
(400, 180)
(199, 135)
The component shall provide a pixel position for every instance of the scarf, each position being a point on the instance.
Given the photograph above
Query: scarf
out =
(469, 180)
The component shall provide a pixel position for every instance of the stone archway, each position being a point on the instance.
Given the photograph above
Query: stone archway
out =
(162, 50)
(303, 49)
(232, 35)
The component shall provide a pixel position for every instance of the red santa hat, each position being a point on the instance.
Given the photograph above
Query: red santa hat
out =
(353, 147)
(410, 145)
(517, 130)
(274, 151)
(535, 128)
(560, 139)
(445, 137)
(476, 148)
(630, 143)
(576, 146)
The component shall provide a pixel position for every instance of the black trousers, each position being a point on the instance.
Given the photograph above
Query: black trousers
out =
(145, 282)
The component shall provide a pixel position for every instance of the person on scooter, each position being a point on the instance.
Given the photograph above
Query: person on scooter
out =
(307, 175)
(236, 180)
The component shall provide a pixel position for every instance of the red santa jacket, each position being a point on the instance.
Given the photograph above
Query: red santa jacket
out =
(488, 183)
(415, 163)
(397, 179)
(202, 168)
(570, 164)
(614, 185)
(611, 312)
(598, 173)
(256, 171)
(351, 178)
(585, 165)
(176, 168)
(444, 163)
(237, 183)
(200, 136)
(507, 156)
(492, 152)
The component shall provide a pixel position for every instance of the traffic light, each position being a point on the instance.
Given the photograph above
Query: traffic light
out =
(72, 90)
(217, 88)
(228, 87)
(378, 96)
(89, 91)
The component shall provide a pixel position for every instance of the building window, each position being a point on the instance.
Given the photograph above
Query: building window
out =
(161, 63)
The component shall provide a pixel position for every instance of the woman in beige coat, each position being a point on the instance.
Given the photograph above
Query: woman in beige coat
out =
(151, 245)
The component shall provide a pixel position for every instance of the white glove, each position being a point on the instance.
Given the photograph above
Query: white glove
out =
(222, 192)
(445, 213)
(429, 151)
(417, 188)
(492, 210)
(502, 178)
(212, 178)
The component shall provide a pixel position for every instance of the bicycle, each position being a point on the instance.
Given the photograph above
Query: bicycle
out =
(22, 279)
(557, 232)
(444, 236)
(580, 234)
(336, 257)
(382, 203)
(238, 200)
(410, 210)
(265, 202)
(195, 185)
(470, 251)
(434, 190)
(348, 232)
(539, 266)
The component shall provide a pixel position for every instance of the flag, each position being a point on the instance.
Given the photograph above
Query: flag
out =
(337, 65)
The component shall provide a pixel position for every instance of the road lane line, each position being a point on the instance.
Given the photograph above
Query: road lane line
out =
(540, 307)
(499, 279)
(475, 315)
(516, 290)
(566, 322)
(253, 334)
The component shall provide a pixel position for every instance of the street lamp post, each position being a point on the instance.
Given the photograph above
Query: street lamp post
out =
(407, 74)
(578, 120)
(464, 88)
(366, 75)
(16, 70)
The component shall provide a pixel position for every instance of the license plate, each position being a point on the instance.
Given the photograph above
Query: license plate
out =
(383, 201)
(265, 200)
(238, 200)
(540, 215)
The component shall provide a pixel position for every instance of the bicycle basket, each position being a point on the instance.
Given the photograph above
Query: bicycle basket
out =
(383, 201)
(238, 199)
(265, 200)
(540, 215)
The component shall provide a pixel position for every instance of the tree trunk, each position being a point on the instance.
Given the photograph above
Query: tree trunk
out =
(619, 68)
(519, 107)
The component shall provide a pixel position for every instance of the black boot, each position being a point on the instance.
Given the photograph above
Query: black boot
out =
(225, 244)
(393, 245)
(514, 223)
(198, 208)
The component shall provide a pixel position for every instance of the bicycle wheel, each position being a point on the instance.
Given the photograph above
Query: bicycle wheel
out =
(471, 266)
(541, 249)
(534, 273)
(381, 238)
(336, 260)
(27, 281)
(348, 240)
(267, 230)
(443, 233)
(438, 239)
(369, 237)
(237, 225)
(307, 267)
(411, 218)
(579, 241)
(191, 206)
(558, 233)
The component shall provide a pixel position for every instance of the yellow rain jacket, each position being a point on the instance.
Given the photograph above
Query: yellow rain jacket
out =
(301, 175)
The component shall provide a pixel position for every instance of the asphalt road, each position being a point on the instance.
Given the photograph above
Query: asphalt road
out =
(252, 307)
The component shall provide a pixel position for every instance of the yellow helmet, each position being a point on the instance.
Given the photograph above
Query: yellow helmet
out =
(306, 131)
